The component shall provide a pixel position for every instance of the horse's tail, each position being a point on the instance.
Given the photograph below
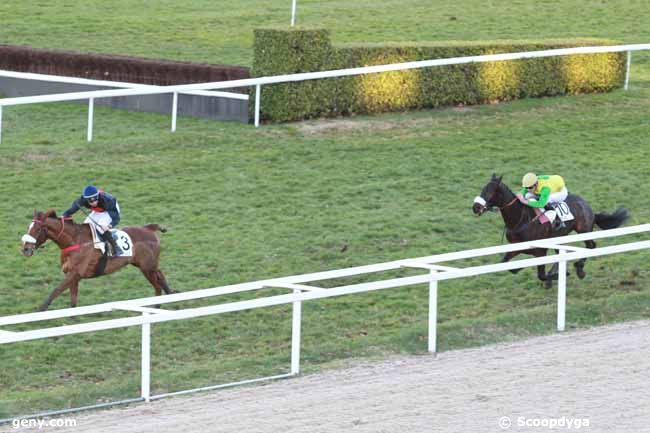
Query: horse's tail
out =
(155, 227)
(611, 221)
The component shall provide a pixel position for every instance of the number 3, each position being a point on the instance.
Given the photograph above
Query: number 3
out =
(125, 243)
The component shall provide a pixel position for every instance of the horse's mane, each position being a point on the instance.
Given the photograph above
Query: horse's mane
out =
(507, 188)
(51, 213)
(499, 181)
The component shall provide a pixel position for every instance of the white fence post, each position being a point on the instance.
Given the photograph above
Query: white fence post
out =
(627, 70)
(258, 90)
(174, 110)
(0, 123)
(145, 388)
(561, 292)
(295, 335)
(433, 313)
(293, 13)
(91, 109)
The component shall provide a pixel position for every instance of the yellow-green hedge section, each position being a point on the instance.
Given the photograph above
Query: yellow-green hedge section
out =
(278, 52)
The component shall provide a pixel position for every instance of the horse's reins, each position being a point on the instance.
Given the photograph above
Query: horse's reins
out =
(509, 204)
(63, 220)
(89, 216)
(495, 191)
(519, 226)
(58, 235)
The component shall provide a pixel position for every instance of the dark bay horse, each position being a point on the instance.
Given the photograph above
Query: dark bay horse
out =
(522, 225)
(79, 258)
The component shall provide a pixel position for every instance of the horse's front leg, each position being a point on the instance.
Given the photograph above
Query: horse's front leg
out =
(541, 274)
(541, 269)
(508, 256)
(66, 283)
(74, 292)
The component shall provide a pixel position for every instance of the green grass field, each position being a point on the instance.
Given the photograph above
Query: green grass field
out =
(222, 32)
(243, 204)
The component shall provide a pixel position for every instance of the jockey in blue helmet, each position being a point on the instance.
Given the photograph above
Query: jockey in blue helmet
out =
(104, 212)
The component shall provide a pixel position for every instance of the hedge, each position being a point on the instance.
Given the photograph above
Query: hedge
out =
(278, 52)
(115, 68)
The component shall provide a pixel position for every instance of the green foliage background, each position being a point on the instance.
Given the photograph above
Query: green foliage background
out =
(280, 51)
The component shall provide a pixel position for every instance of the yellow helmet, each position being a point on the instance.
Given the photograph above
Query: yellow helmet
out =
(529, 180)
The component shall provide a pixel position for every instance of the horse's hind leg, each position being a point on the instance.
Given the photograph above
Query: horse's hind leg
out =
(580, 264)
(163, 283)
(158, 281)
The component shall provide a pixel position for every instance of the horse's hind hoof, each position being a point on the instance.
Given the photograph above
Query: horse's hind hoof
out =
(548, 283)
(580, 273)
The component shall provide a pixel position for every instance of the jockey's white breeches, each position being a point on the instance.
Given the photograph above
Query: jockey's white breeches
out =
(98, 219)
(555, 197)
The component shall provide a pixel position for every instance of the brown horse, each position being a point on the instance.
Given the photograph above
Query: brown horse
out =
(522, 224)
(79, 258)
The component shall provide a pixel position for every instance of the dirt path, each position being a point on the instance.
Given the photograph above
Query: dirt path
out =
(598, 380)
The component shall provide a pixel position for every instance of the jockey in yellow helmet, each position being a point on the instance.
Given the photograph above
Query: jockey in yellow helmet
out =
(543, 190)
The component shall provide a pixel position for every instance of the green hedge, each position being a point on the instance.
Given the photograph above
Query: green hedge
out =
(278, 52)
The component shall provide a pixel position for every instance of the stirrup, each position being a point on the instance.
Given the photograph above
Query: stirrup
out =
(558, 224)
(551, 215)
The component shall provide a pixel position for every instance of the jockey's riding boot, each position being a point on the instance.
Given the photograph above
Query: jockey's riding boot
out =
(107, 236)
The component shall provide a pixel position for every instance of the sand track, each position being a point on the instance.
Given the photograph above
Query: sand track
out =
(601, 374)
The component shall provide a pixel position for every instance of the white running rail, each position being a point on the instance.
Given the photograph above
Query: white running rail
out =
(106, 83)
(259, 82)
(301, 288)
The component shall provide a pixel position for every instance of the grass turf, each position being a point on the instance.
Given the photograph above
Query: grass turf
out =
(243, 204)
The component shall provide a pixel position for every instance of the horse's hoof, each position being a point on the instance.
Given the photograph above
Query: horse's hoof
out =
(548, 283)
(42, 308)
(580, 273)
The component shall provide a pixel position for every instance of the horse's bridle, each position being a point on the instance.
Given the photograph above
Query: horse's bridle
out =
(480, 200)
(27, 238)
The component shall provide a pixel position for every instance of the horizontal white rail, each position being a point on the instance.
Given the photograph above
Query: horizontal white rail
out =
(289, 298)
(105, 83)
(320, 276)
(323, 74)
(258, 82)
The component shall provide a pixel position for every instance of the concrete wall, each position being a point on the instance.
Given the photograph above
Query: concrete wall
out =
(188, 105)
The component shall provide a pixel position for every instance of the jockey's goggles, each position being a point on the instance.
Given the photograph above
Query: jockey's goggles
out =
(93, 198)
